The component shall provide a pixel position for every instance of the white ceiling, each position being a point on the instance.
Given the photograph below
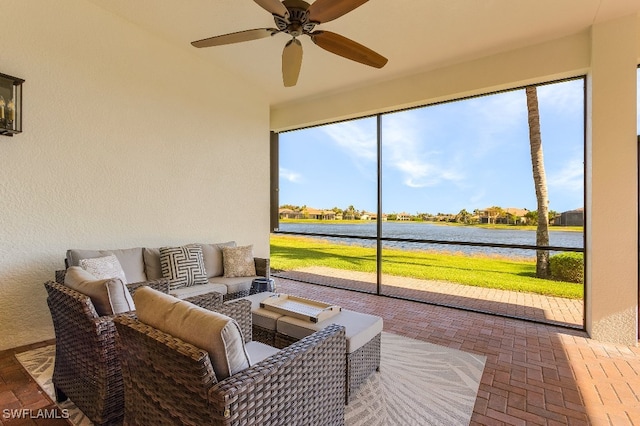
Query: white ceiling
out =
(415, 35)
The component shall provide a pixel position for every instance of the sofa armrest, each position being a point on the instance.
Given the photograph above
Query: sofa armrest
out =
(263, 267)
(161, 284)
(211, 301)
(302, 384)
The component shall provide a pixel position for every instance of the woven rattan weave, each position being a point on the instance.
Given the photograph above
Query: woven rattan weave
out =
(168, 381)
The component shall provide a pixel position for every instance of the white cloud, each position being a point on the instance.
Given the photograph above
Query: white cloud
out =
(570, 177)
(562, 98)
(406, 150)
(355, 138)
(290, 175)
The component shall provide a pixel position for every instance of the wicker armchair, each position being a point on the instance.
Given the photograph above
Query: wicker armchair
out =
(168, 381)
(87, 367)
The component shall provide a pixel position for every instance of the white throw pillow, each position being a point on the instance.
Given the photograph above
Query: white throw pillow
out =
(104, 267)
(213, 332)
(109, 296)
(238, 261)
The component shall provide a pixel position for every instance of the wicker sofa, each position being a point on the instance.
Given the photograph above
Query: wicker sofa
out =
(141, 264)
(87, 367)
(170, 381)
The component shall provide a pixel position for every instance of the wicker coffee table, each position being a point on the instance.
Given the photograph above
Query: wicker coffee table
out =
(363, 333)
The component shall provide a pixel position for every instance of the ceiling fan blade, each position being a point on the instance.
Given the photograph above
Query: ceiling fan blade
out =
(237, 37)
(342, 46)
(274, 7)
(328, 10)
(291, 62)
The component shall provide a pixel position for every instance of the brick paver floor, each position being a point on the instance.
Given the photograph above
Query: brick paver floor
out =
(548, 309)
(535, 374)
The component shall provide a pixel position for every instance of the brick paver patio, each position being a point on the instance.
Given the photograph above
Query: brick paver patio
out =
(535, 374)
(547, 309)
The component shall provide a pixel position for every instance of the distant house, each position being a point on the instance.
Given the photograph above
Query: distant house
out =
(514, 216)
(289, 214)
(489, 215)
(403, 216)
(310, 213)
(570, 218)
(509, 215)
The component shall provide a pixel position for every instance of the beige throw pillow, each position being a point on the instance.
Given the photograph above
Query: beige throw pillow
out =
(215, 333)
(109, 296)
(238, 261)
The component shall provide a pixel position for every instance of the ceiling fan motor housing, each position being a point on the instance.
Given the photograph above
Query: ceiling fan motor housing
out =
(297, 23)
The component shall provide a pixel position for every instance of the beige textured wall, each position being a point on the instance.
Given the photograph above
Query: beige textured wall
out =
(128, 141)
(612, 202)
(608, 53)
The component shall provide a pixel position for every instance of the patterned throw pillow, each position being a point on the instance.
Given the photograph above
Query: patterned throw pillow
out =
(183, 266)
(238, 261)
(104, 268)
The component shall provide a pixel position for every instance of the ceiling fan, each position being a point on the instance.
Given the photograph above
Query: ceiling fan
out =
(296, 18)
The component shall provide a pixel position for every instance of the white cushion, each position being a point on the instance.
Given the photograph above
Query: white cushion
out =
(212, 254)
(259, 351)
(238, 261)
(213, 332)
(197, 290)
(152, 266)
(233, 284)
(104, 267)
(262, 317)
(130, 259)
(109, 296)
(183, 266)
(359, 328)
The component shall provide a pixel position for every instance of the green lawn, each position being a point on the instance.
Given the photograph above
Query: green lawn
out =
(292, 252)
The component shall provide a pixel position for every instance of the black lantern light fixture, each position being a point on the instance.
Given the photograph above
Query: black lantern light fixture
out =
(10, 105)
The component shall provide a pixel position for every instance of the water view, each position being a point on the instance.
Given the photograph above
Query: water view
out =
(430, 231)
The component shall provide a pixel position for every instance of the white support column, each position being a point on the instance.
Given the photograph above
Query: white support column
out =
(612, 191)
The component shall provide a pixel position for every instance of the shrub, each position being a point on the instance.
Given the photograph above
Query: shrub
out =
(567, 267)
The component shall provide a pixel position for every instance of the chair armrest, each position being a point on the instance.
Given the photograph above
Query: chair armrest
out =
(262, 266)
(302, 384)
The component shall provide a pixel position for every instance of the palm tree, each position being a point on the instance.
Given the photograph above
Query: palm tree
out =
(540, 183)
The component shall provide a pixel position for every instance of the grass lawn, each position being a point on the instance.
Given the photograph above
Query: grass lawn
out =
(293, 252)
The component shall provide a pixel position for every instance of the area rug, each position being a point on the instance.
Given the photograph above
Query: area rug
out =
(419, 383)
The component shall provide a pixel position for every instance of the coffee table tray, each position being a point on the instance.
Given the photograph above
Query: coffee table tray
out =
(299, 307)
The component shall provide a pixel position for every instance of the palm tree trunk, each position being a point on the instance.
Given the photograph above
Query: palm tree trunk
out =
(540, 183)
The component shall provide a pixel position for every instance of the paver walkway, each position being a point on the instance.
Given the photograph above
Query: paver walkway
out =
(547, 309)
(535, 374)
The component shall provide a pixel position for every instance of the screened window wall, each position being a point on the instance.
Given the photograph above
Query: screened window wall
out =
(440, 204)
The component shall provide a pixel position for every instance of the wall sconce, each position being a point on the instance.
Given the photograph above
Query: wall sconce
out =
(10, 105)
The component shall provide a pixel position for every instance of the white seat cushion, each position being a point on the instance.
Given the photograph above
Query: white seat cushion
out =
(262, 317)
(360, 328)
(217, 334)
(131, 260)
(259, 351)
(234, 284)
(197, 290)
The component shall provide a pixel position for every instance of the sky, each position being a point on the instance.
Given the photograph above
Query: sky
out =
(468, 154)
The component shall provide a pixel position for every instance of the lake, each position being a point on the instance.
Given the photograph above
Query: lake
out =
(430, 231)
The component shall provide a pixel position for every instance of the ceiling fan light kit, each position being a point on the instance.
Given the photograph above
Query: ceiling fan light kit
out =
(297, 18)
